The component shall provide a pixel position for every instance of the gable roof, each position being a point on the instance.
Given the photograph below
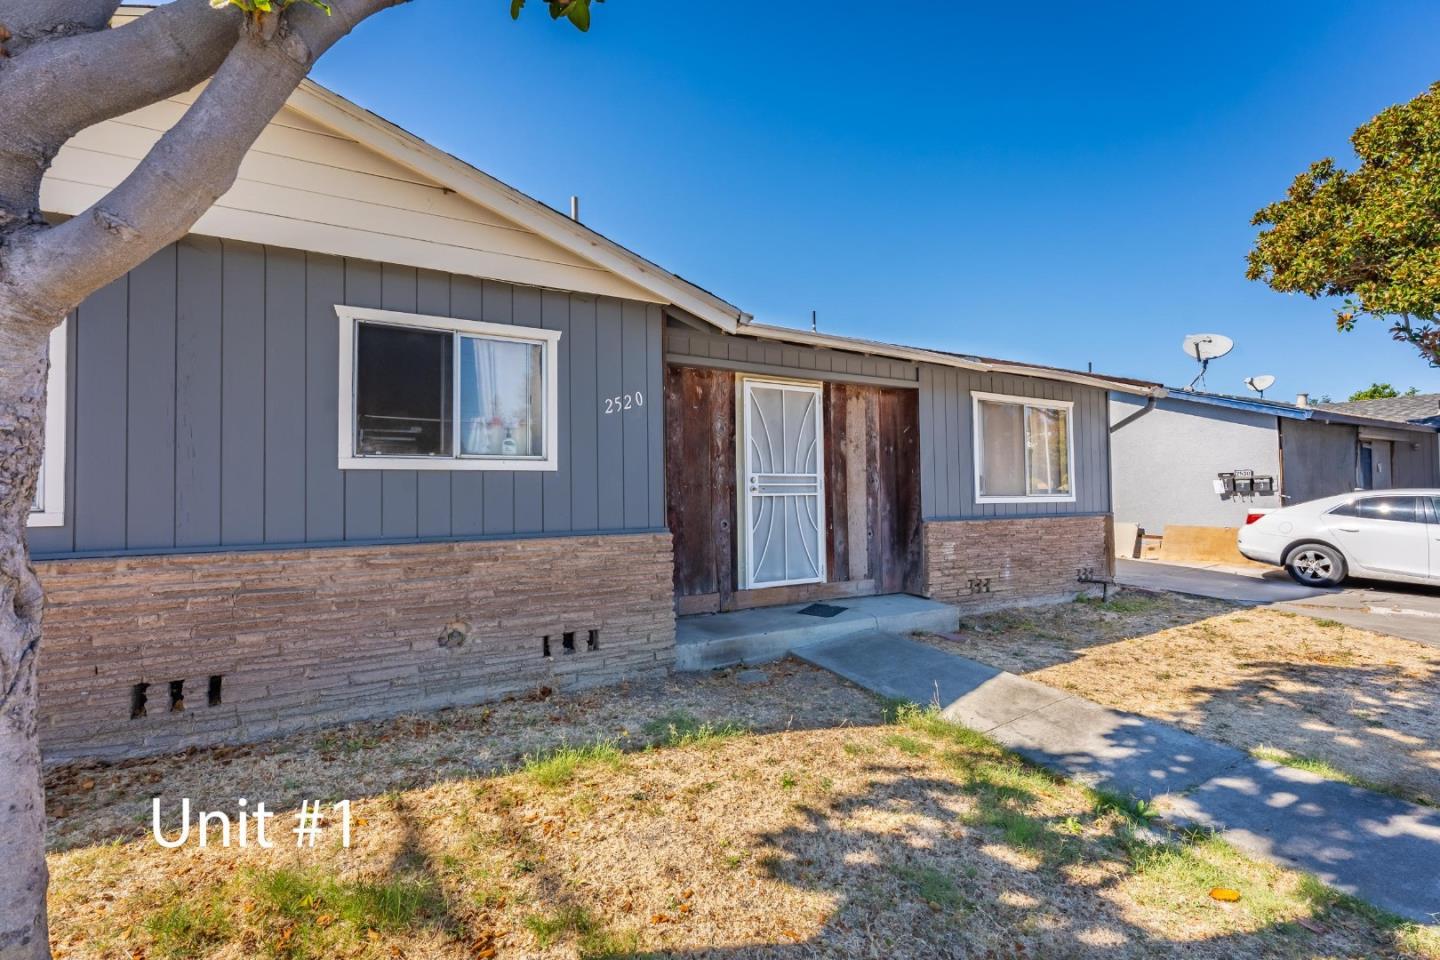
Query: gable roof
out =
(328, 176)
(434, 219)
(372, 130)
(1416, 408)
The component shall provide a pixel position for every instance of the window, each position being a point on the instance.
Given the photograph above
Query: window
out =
(427, 393)
(1401, 509)
(49, 507)
(1022, 449)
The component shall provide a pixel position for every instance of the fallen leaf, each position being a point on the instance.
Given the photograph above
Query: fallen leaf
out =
(1224, 894)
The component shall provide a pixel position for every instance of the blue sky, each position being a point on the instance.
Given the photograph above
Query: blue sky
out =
(1059, 183)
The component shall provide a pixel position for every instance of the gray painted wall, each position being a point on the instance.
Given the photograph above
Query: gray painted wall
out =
(202, 405)
(1417, 464)
(1166, 461)
(1320, 459)
(947, 451)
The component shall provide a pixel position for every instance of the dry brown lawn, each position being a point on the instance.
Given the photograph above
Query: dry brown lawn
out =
(697, 817)
(1338, 700)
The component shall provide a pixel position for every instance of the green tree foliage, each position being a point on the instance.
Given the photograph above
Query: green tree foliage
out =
(576, 11)
(1380, 391)
(1371, 236)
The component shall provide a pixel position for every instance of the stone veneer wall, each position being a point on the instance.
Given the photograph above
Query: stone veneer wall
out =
(311, 636)
(989, 563)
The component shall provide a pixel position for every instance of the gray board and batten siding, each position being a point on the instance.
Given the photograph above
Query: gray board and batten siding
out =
(947, 452)
(203, 403)
(947, 449)
(688, 347)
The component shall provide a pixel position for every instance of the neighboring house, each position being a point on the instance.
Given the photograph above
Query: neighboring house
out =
(384, 434)
(1422, 408)
(1198, 459)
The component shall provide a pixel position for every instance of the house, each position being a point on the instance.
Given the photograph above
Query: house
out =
(384, 434)
(1192, 464)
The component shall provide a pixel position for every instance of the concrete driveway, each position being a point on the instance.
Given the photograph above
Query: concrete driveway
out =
(1400, 610)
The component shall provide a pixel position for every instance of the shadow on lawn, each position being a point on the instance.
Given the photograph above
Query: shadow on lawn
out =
(1001, 887)
(1306, 695)
(1352, 717)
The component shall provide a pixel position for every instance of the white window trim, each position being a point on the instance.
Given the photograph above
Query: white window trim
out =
(979, 445)
(52, 491)
(549, 339)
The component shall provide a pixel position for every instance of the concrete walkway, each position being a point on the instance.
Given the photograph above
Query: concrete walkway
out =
(1368, 844)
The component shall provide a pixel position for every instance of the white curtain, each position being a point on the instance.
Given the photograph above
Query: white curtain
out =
(500, 383)
(1049, 451)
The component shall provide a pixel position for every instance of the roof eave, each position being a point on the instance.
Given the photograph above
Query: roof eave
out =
(919, 355)
(1298, 413)
(338, 113)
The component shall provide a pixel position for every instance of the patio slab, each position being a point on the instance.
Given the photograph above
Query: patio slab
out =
(709, 641)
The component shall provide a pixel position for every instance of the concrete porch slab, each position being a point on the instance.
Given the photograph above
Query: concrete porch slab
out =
(709, 641)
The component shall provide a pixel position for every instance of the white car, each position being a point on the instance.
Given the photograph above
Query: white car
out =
(1381, 534)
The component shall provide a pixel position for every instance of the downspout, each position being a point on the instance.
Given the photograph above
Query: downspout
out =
(1149, 405)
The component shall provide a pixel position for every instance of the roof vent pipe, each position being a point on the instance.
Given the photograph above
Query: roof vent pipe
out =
(1302, 399)
(574, 208)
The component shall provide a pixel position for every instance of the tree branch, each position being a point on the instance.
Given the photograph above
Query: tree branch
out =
(49, 270)
(36, 21)
(53, 90)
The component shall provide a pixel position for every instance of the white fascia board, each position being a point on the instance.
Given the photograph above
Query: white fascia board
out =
(334, 111)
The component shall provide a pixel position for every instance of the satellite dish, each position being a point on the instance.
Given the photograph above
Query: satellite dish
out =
(1204, 347)
(1261, 383)
(1207, 346)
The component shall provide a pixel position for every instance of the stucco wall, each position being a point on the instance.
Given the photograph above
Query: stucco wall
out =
(1167, 459)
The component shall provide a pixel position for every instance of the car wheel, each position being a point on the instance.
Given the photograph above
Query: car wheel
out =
(1316, 565)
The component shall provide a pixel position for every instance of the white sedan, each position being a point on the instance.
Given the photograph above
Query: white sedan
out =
(1381, 534)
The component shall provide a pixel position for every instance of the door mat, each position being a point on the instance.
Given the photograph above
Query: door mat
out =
(823, 610)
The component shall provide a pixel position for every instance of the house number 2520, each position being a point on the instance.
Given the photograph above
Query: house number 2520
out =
(626, 401)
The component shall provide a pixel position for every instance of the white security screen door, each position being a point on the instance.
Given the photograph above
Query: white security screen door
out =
(782, 501)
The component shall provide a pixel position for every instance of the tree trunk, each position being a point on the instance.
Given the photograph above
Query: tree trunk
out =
(23, 876)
